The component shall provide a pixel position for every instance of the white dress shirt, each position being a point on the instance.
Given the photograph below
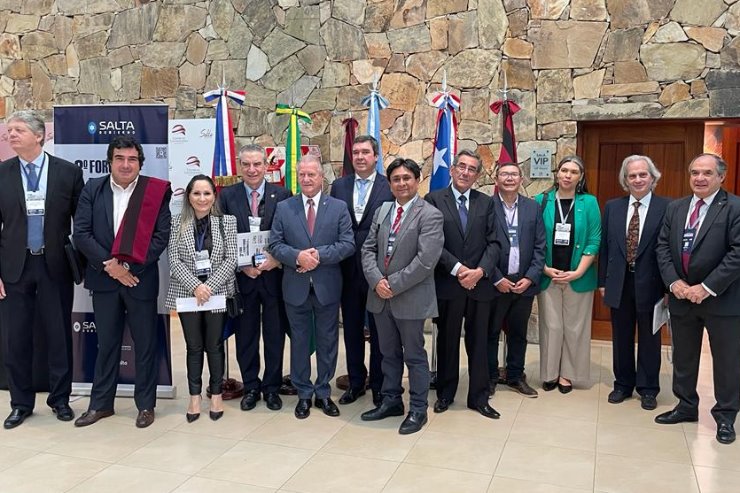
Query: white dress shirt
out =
(121, 197)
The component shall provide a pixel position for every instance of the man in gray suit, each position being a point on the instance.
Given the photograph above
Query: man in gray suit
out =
(311, 233)
(402, 248)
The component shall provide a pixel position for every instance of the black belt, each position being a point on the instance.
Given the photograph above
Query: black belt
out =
(38, 252)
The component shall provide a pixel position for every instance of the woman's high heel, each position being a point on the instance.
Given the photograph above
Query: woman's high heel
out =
(190, 417)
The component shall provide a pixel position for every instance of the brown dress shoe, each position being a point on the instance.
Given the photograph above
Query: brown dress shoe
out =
(92, 416)
(145, 418)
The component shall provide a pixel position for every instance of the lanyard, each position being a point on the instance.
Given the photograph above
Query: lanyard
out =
(201, 238)
(35, 186)
(507, 209)
(560, 209)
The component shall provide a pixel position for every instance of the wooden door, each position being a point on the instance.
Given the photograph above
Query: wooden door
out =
(604, 145)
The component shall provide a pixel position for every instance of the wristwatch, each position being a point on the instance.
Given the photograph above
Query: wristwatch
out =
(126, 266)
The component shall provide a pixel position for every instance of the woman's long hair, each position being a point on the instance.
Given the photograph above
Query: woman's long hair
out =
(581, 185)
(187, 214)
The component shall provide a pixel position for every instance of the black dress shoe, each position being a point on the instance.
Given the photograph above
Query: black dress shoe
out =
(487, 411)
(377, 398)
(548, 386)
(327, 405)
(63, 412)
(617, 396)
(522, 388)
(648, 402)
(351, 395)
(286, 387)
(145, 418)
(564, 389)
(190, 417)
(15, 418)
(442, 405)
(675, 416)
(215, 415)
(413, 423)
(725, 433)
(383, 411)
(249, 401)
(303, 408)
(273, 401)
(91, 417)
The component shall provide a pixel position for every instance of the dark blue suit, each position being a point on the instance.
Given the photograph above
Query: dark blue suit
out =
(261, 295)
(354, 287)
(510, 308)
(116, 305)
(621, 285)
(312, 298)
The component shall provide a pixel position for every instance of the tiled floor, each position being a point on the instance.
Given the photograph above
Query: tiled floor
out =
(553, 444)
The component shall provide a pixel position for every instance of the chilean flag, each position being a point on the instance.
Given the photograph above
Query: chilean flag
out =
(224, 155)
(445, 140)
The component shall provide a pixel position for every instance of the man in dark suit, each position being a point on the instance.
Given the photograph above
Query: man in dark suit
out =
(363, 192)
(253, 202)
(628, 266)
(398, 259)
(38, 198)
(311, 234)
(516, 277)
(462, 283)
(699, 259)
(120, 216)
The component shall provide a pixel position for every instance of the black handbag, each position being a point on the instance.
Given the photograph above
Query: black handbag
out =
(234, 306)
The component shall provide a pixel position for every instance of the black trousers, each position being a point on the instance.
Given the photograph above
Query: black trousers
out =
(274, 322)
(354, 299)
(724, 341)
(646, 376)
(513, 310)
(37, 299)
(203, 332)
(449, 327)
(113, 311)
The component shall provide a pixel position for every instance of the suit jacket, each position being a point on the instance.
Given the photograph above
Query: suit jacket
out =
(93, 235)
(332, 237)
(586, 237)
(343, 189)
(234, 201)
(532, 243)
(64, 184)
(181, 254)
(410, 271)
(613, 253)
(715, 258)
(475, 247)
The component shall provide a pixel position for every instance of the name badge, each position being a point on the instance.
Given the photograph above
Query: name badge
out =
(513, 232)
(687, 241)
(35, 204)
(562, 234)
(391, 241)
(202, 263)
(254, 224)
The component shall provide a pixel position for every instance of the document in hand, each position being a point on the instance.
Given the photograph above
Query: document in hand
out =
(661, 316)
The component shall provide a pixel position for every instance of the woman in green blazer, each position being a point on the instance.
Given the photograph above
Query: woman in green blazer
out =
(573, 231)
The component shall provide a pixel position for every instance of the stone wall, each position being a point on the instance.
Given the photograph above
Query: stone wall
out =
(565, 61)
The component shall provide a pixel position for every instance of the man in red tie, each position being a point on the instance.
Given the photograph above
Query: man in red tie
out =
(699, 259)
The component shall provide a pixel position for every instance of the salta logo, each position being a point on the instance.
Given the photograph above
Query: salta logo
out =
(111, 127)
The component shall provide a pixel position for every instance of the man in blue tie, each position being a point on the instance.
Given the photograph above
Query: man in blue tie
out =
(38, 197)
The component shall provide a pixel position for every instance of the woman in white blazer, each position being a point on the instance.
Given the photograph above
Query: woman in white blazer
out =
(203, 259)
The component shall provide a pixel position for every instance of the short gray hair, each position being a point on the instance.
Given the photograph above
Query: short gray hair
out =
(719, 162)
(310, 158)
(652, 169)
(254, 148)
(33, 120)
(471, 154)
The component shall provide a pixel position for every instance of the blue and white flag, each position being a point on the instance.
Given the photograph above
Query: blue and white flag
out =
(375, 102)
(445, 139)
(224, 154)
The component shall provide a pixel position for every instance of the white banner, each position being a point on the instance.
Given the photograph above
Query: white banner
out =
(191, 153)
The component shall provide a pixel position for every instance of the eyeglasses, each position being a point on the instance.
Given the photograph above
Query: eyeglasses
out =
(470, 169)
(505, 175)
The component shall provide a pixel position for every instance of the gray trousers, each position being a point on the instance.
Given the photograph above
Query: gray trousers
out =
(402, 341)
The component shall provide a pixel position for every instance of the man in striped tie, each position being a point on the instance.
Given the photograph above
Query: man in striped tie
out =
(699, 260)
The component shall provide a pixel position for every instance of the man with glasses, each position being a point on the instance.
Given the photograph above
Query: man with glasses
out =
(516, 275)
(463, 286)
(253, 202)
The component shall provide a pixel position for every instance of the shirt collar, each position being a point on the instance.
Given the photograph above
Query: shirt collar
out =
(370, 179)
(516, 201)
(457, 194)
(708, 201)
(38, 160)
(260, 190)
(643, 201)
(406, 206)
(118, 188)
(316, 199)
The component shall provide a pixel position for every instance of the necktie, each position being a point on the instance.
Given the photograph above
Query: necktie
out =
(693, 223)
(35, 237)
(362, 191)
(310, 216)
(255, 203)
(633, 234)
(391, 237)
(463, 212)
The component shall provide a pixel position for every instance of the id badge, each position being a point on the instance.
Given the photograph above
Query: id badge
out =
(687, 241)
(35, 204)
(254, 224)
(562, 234)
(359, 210)
(389, 250)
(202, 263)
(513, 232)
